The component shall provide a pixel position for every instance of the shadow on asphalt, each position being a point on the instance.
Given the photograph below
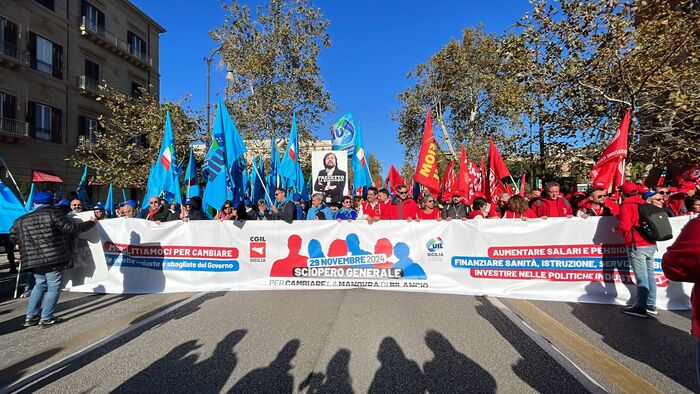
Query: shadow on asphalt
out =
(664, 348)
(536, 367)
(90, 357)
(275, 378)
(179, 370)
(335, 380)
(396, 374)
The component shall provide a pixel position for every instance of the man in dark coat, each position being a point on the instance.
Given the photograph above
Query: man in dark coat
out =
(41, 236)
(285, 209)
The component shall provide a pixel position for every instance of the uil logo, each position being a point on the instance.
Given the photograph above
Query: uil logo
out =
(434, 245)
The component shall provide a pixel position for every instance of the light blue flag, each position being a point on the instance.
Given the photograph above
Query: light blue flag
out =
(360, 163)
(11, 208)
(343, 134)
(123, 195)
(288, 169)
(151, 185)
(272, 180)
(165, 172)
(81, 190)
(191, 180)
(223, 165)
(29, 206)
(109, 203)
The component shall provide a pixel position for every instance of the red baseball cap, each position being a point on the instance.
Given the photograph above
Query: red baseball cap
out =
(457, 193)
(599, 185)
(643, 189)
(629, 188)
(673, 189)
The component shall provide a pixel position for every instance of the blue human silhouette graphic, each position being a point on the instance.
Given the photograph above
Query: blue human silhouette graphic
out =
(411, 269)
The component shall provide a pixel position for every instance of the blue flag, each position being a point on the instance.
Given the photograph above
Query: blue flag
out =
(288, 170)
(123, 195)
(258, 179)
(165, 174)
(29, 206)
(191, 180)
(343, 134)
(272, 180)
(81, 190)
(11, 208)
(109, 203)
(360, 163)
(224, 163)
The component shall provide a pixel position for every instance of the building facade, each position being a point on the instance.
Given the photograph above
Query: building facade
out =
(54, 56)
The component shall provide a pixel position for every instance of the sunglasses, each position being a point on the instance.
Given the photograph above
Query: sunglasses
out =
(227, 207)
(347, 202)
(153, 202)
(663, 193)
(430, 201)
(262, 204)
(403, 192)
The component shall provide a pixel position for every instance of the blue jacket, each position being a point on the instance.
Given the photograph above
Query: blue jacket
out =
(311, 215)
(345, 214)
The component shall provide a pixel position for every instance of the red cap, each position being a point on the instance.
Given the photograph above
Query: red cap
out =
(673, 189)
(643, 189)
(686, 187)
(457, 193)
(629, 188)
(599, 185)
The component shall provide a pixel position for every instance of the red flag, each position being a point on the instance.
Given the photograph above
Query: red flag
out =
(463, 178)
(522, 184)
(497, 171)
(662, 177)
(394, 179)
(448, 183)
(609, 169)
(475, 184)
(426, 169)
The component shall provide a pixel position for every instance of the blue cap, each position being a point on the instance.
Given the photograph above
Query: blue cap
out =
(296, 197)
(246, 201)
(64, 203)
(43, 198)
(131, 203)
(649, 194)
(99, 207)
(188, 202)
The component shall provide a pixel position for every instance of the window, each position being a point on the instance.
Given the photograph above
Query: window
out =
(8, 106)
(92, 70)
(88, 127)
(45, 55)
(8, 38)
(136, 90)
(94, 18)
(137, 46)
(45, 122)
(46, 3)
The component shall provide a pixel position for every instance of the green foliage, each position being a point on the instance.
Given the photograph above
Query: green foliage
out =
(130, 136)
(474, 94)
(273, 55)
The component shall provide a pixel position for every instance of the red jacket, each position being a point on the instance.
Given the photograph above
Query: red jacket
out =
(629, 222)
(409, 209)
(429, 216)
(385, 210)
(373, 211)
(681, 263)
(514, 215)
(553, 209)
(475, 213)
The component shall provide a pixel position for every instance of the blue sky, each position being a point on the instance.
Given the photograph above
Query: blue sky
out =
(374, 45)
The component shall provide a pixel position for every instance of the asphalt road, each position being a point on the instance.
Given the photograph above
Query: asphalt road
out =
(340, 341)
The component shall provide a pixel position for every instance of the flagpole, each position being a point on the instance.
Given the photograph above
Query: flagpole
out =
(13, 179)
(517, 188)
(261, 181)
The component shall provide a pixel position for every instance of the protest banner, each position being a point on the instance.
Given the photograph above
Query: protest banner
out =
(573, 260)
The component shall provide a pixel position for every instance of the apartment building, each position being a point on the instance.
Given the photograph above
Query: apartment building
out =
(54, 55)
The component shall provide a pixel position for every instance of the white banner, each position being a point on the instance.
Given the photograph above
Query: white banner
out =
(575, 260)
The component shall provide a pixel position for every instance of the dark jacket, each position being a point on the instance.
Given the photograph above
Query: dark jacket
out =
(455, 211)
(41, 236)
(160, 216)
(285, 211)
(197, 214)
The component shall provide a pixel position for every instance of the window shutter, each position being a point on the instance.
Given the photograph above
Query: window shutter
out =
(55, 125)
(9, 106)
(31, 45)
(57, 61)
(82, 130)
(11, 33)
(101, 19)
(30, 118)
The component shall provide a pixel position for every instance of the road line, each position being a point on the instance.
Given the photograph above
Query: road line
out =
(574, 370)
(624, 378)
(24, 381)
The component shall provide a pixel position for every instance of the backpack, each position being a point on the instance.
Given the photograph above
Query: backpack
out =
(653, 223)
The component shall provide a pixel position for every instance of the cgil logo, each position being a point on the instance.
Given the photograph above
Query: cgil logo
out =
(434, 244)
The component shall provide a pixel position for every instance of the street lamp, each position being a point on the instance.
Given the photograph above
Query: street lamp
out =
(229, 79)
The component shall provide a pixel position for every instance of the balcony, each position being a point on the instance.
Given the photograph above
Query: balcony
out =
(114, 44)
(89, 86)
(11, 56)
(12, 129)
